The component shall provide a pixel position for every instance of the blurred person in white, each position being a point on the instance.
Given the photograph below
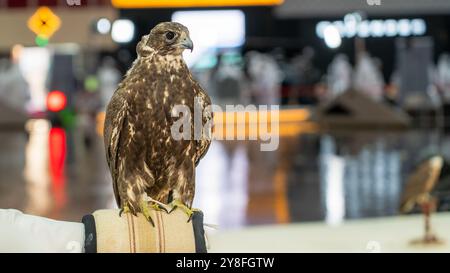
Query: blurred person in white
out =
(265, 78)
(415, 74)
(109, 77)
(443, 76)
(368, 78)
(339, 76)
(227, 83)
(14, 91)
(307, 77)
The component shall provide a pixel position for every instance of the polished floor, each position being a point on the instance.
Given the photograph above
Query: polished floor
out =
(312, 176)
(369, 235)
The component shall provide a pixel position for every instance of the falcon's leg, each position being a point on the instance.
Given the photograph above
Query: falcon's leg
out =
(133, 194)
(182, 185)
(158, 206)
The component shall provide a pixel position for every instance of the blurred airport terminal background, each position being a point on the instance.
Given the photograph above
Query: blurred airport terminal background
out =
(363, 88)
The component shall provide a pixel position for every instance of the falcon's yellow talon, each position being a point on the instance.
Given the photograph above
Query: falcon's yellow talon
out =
(125, 209)
(178, 204)
(146, 211)
(158, 207)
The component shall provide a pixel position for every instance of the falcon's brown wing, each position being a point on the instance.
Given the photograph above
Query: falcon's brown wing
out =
(202, 145)
(114, 121)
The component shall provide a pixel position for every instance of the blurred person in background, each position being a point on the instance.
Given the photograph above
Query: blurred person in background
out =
(442, 83)
(368, 77)
(227, 83)
(443, 76)
(414, 73)
(109, 77)
(265, 78)
(287, 74)
(307, 76)
(14, 91)
(339, 76)
(87, 103)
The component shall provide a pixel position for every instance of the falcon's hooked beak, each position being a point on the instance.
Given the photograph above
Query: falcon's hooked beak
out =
(187, 44)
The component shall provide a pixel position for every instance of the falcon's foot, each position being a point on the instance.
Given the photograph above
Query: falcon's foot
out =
(158, 206)
(145, 210)
(178, 204)
(125, 209)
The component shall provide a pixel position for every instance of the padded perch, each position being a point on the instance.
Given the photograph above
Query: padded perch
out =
(106, 231)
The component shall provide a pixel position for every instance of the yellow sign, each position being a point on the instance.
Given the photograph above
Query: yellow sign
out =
(124, 4)
(44, 23)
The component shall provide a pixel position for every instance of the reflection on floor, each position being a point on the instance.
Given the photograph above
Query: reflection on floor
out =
(310, 177)
(387, 234)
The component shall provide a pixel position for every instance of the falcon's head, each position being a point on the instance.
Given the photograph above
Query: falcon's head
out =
(168, 38)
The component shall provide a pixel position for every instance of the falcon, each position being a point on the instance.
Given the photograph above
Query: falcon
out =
(146, 162)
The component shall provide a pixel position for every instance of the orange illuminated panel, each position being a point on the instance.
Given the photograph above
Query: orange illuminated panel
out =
(126, 4)
(292, 122)
(284, 115)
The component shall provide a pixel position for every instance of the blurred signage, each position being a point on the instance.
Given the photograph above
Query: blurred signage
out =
(222, 29)
(350, 27)
(191, 3)
(44, 22)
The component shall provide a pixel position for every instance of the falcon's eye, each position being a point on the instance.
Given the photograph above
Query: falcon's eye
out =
(170, 35)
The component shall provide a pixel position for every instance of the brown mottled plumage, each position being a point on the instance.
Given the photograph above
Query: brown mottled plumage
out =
(142, 156)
